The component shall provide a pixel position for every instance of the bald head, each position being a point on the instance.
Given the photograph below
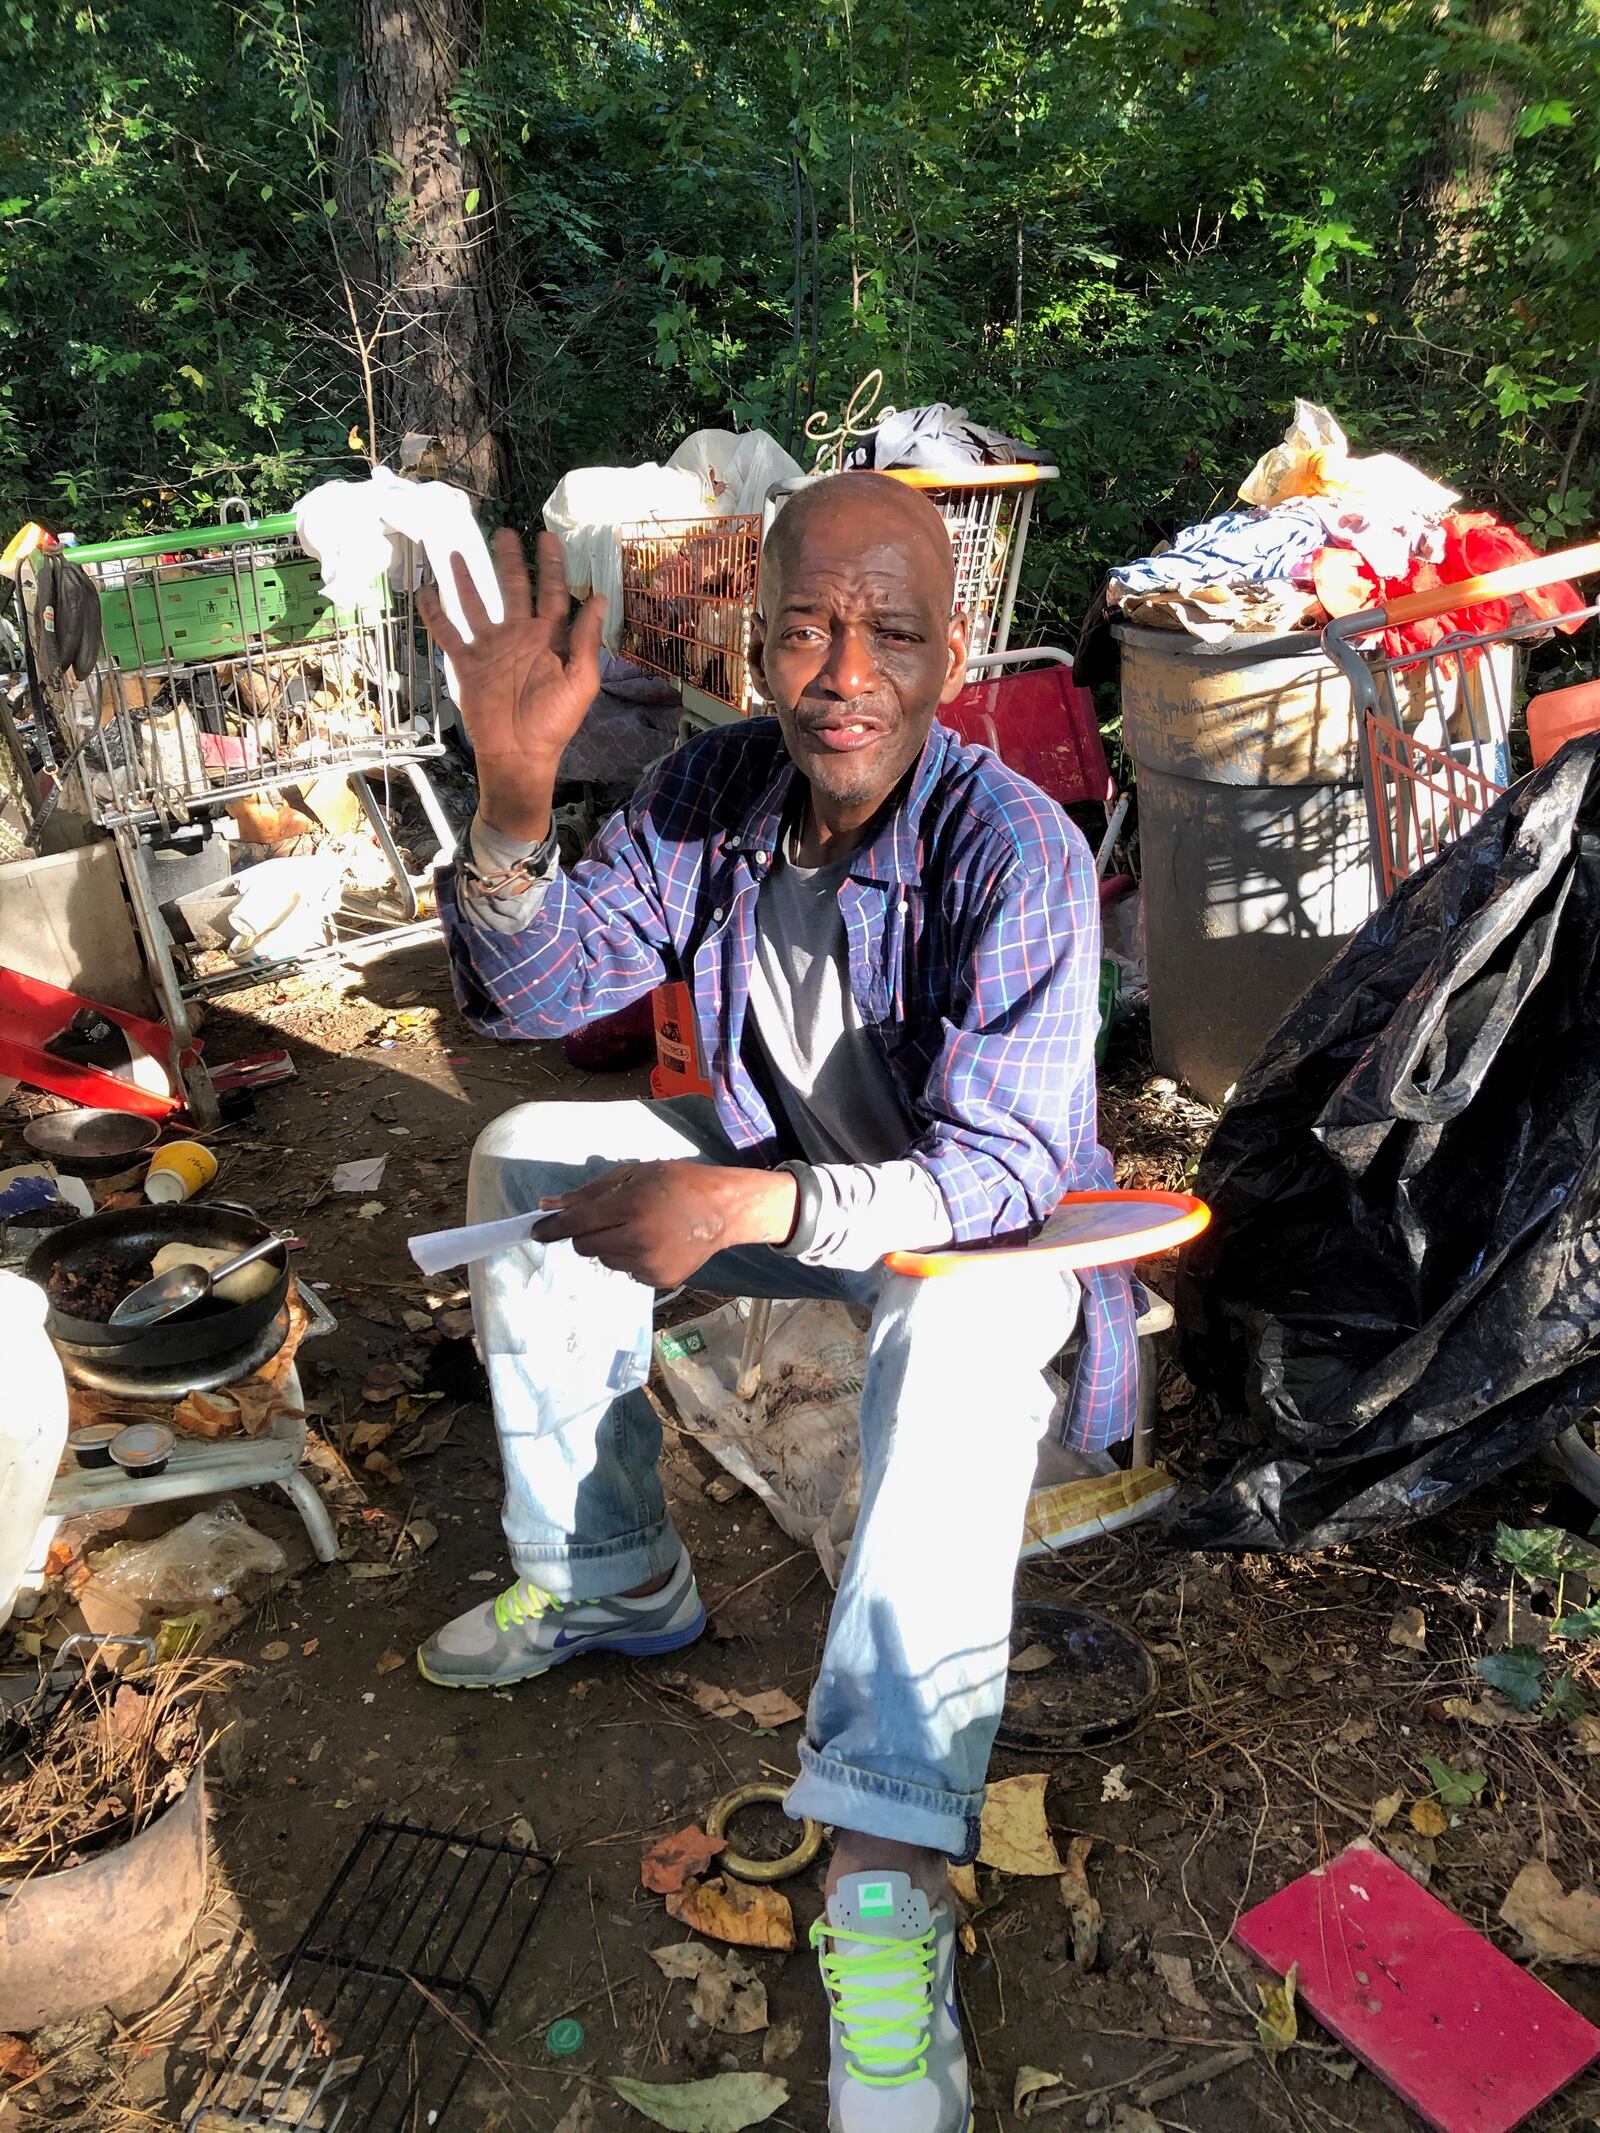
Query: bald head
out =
(862, 512)
(856, 644)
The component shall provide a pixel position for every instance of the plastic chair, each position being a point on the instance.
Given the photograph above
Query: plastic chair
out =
(1041, 724)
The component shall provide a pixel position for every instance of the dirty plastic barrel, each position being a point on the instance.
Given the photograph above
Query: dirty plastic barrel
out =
(1253, 836)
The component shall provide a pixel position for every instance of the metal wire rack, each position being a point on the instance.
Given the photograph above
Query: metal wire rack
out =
(373, 2021)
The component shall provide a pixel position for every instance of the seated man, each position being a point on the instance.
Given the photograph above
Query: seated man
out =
(893, 946)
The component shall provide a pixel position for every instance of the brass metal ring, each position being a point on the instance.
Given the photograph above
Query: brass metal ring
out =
(735, 1863)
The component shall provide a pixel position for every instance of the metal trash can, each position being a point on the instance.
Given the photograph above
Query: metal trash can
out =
(1253, 835)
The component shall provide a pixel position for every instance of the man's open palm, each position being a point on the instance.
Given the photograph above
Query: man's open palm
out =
(525, 683)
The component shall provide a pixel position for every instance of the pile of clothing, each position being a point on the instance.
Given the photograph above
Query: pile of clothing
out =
(1325, 534)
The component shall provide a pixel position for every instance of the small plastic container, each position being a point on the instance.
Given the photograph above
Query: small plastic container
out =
(178, 1171)
(1557, 716)
(91, 1445)
(143, 1449)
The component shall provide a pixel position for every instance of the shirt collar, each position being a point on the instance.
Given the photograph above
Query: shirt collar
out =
(894, 854)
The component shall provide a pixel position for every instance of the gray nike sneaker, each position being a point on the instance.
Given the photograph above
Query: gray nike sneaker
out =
(888, 1966)
(526, 1631)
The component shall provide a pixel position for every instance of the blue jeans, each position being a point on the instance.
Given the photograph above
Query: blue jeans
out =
(905, 1705)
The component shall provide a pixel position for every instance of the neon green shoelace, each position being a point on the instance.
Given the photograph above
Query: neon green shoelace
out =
(521, 1603)
(888, 1976)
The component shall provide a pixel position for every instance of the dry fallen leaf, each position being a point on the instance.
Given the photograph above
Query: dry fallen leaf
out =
(771, 1708)
(1587, 1734)
(1409, 1629)
(367, 1436)
(18, 2060)
(456, 1323)
(1015, 1836)
(1031, 2081)
(276, 1650)
(1177, 1974)
(1355, 1730)
(1563, 1927)
(422, 1533)
(369, 1210)
(680, 1856)
(747, 1915)
(781, 2041)
(417, 1321)
(383, 1383)
(388, 1661)
(1428, 1818)
(381, 1465)
(964, 1882)
(1385, 1810)
(579, 2115)
(310, 1646)
(715, 1702)
(1031, 1661)
(724, 2104)
(1278, 2024)
(1082, 1905)
(727, 1993)
(1133, 2118)
(1114, 1785)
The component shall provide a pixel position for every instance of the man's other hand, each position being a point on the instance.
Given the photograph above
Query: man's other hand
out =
(661, 1222)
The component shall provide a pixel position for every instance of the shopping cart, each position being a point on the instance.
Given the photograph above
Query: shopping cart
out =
(1436, 724)
(224, 671)
(689, 587)
(688, 598)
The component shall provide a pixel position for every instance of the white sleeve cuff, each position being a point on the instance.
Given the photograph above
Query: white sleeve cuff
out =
(851, 1214)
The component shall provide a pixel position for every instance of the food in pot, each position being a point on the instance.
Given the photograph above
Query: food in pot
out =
(244, 1287)
(94, 1289)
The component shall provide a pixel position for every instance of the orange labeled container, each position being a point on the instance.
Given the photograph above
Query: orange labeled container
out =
(1559, 715)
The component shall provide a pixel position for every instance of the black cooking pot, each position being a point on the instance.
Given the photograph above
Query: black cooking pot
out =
(132, 1236)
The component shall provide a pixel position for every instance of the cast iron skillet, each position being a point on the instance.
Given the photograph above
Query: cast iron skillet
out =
(133, 1235)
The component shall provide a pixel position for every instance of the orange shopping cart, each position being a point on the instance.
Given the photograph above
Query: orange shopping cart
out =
(1436, 723)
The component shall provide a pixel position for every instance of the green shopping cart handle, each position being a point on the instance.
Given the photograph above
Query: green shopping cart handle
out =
(233, 535)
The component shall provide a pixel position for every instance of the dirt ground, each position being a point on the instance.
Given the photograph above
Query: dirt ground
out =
(1287, 1712)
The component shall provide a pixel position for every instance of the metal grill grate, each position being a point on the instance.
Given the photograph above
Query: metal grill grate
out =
(373, 2022)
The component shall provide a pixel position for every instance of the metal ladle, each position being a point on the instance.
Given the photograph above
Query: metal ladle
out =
(191, 1283)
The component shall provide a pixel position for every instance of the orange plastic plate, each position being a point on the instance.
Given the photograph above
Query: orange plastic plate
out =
(1087, 1229)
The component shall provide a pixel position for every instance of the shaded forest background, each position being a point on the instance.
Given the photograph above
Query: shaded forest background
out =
(245, 244)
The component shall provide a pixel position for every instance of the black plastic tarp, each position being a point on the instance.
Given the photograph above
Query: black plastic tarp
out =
(1400, 1293)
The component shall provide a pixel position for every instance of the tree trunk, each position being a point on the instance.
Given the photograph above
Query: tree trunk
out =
(1477, 136)
(438, 351)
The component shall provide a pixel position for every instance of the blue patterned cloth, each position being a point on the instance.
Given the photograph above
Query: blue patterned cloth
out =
(973, 926)
(1252, 547)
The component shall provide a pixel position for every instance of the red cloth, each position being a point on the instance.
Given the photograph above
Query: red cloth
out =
(1475, 543)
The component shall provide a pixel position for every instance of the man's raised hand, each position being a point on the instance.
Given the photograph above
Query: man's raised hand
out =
(525, 683)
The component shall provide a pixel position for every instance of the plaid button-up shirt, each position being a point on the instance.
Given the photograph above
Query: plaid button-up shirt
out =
(973, 925)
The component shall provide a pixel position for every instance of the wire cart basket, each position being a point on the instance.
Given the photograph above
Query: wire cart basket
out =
(689, 586)
(1436, 724)
(224, 673)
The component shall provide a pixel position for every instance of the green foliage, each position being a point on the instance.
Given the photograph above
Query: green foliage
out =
(1547, 1553)
(1455, 1788)
(1517, 1674)
(1130, 229)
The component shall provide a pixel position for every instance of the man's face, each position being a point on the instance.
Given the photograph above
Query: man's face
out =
(856, 649)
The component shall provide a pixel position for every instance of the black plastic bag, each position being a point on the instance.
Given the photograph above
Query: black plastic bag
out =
(1401, 1287)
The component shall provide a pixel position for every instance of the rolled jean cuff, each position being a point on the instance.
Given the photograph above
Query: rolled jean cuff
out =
(895, 1809)
(599, 1572)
